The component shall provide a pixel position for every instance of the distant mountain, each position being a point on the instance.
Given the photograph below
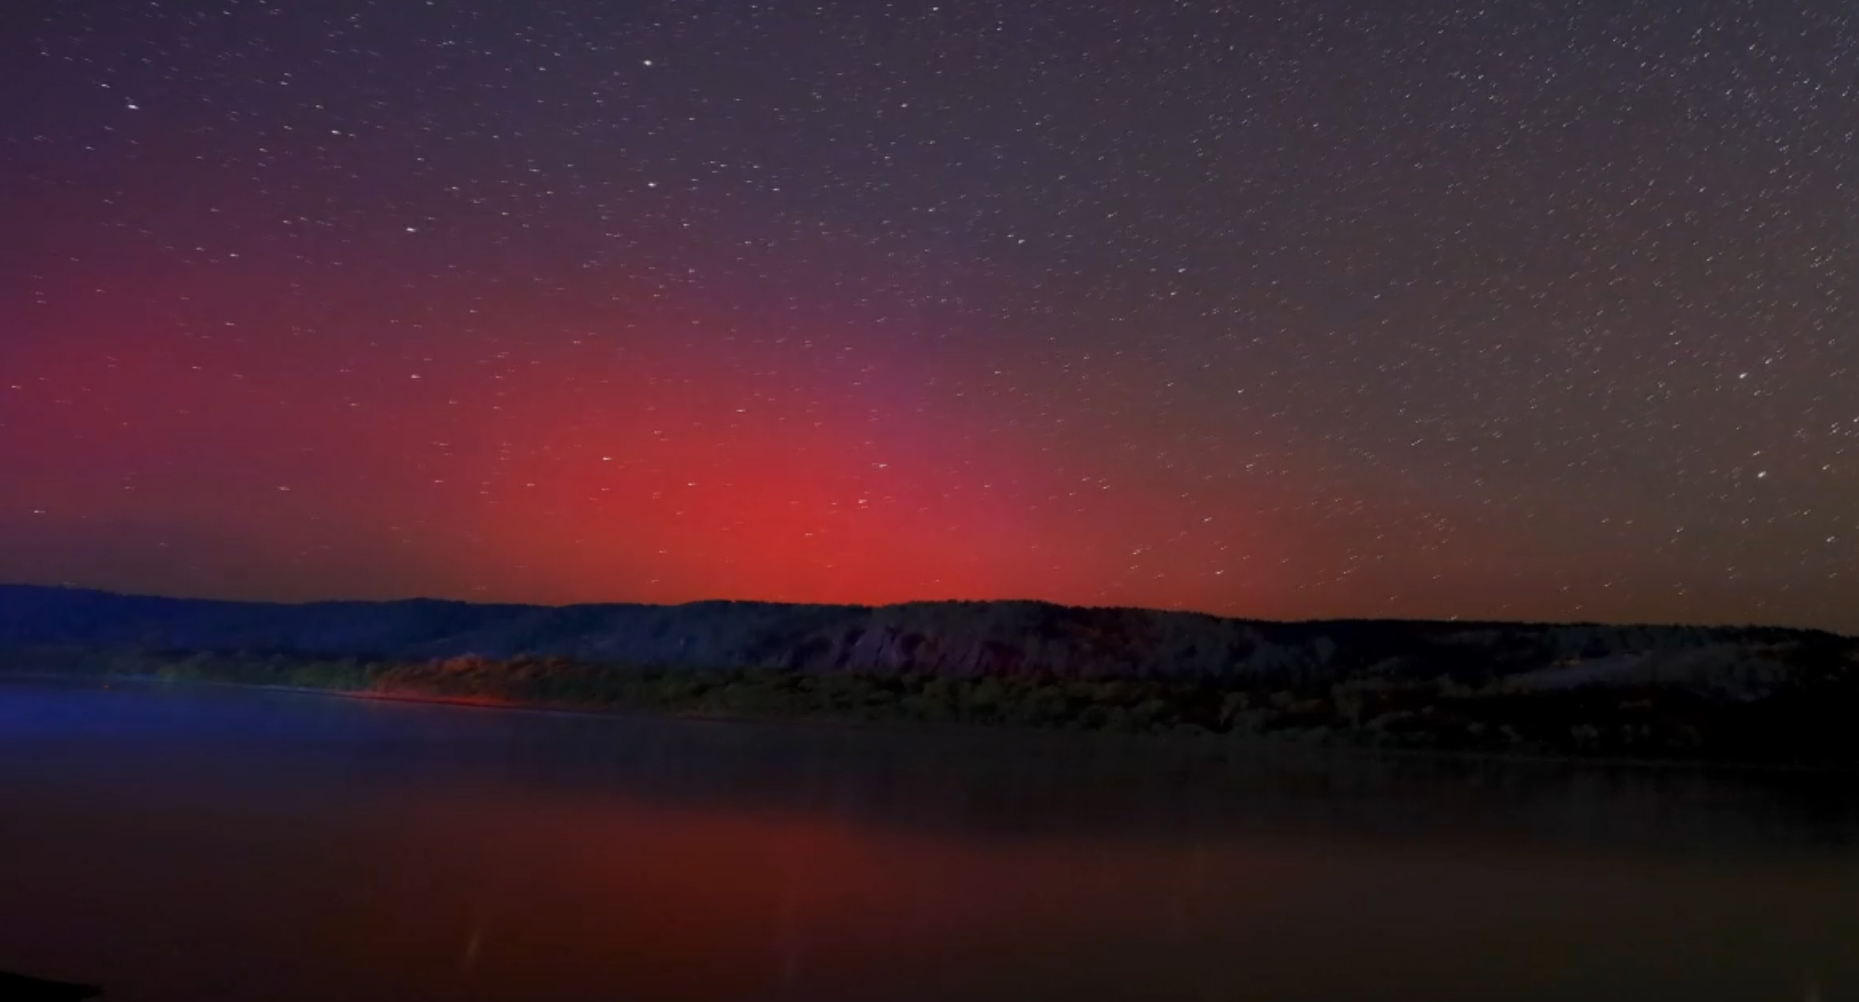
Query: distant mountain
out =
(956, 638)
(1742, 693)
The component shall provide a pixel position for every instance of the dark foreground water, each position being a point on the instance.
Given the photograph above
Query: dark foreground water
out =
(192, 844)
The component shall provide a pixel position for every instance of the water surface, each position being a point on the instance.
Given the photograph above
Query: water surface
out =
(188, 843)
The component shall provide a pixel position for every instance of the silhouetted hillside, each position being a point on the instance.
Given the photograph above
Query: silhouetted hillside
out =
(1744, 693)
(946, 637)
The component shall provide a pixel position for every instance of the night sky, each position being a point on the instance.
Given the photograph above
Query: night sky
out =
(1521, 309)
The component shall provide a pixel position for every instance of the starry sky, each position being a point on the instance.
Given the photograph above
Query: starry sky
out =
(1521, 309)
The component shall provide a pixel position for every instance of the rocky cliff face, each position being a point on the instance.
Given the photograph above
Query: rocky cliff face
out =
(954, 638)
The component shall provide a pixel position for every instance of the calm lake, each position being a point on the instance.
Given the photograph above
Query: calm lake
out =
(185, 844)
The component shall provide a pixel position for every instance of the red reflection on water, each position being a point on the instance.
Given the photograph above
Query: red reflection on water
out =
(193, 876)
(695, 904)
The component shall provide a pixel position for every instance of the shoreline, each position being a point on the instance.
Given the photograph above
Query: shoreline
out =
(1205, 742)
(1660, 696)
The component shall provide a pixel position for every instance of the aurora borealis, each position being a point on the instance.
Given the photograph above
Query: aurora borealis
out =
(1511, 310)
